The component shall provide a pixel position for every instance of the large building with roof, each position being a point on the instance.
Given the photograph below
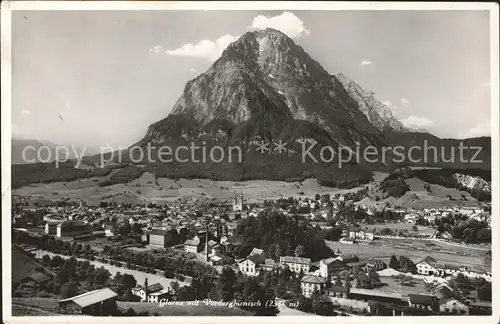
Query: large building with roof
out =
(296, 264)
(101, 302)
(72, 228)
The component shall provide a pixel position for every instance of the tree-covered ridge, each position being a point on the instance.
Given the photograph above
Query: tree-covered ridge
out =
(280, 235)
(445, 178)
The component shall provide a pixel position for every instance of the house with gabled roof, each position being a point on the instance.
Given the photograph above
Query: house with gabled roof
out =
(426, 266)
(310, 283)
(250, 265)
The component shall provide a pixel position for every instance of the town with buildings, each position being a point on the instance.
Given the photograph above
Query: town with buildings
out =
(339, 258)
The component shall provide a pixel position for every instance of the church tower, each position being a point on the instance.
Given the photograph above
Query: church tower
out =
(206, 243)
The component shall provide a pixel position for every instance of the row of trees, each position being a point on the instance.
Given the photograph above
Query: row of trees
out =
(404, 264)
(172, 262)
(464, 229)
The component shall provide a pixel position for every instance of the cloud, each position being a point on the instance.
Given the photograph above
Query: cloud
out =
(25, 112)
(481, 129)
(211, 50)
(157, 50)
(417, 122)
(405, 102)
(365, 62)
(287, 23)
(206, 49)
(192, 70)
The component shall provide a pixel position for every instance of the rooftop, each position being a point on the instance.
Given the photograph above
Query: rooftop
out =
(293, 259)
(421, 299)
(157, 232)
(256, 258)
(443, 292)
(91, 297)
(154, 288)
(313, 279)
(374, 292)
(39, 277)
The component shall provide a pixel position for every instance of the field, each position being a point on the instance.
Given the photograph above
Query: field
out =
(48, 307)
(422, 230)
(412, 248)
(183, 310)
(149, 188)
(18, 310)
(47, 304)
(393, 286)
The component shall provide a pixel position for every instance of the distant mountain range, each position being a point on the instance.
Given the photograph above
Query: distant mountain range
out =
(34, 153)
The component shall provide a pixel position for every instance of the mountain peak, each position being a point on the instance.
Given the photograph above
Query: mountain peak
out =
(258, 43)
(268, 33)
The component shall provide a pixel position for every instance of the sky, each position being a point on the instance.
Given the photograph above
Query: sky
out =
(100, 78)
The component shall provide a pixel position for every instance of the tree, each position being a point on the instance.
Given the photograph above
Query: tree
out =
(225, 284)
(185, 293)
(334, 234)
(322, 306)
(456, 232)
(484, 292)
(69, 289)
(299, 251)
(174, 285)
(317, 197)
(67, 246)
(305, 304)
(130, 312)
(125, 229)
(373, 276)
(407, 265)
(78, 248)
(128, 281)
(414, 228)
(46, 260)
(137, 229)
(394, 263)
(277, 251)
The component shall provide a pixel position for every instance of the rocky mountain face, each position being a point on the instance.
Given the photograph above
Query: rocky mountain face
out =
(473, 182)
(264, 75)
(378, 114)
